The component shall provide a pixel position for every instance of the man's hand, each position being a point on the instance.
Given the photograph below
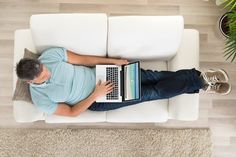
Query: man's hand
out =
(102, 89)
(120, 61)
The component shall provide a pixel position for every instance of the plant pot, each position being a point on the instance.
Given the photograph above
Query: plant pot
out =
(223, 25)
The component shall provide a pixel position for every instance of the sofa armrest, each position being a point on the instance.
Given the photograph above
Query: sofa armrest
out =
(188, 53)
(22, 40)
(25, 112)
(185, 106)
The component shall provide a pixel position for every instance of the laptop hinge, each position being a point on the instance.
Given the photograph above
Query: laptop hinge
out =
(121, 84)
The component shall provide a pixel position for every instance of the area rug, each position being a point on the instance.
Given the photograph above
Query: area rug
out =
(105, 142)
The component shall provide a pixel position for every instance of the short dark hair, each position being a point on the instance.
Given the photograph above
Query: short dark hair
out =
(28, 69)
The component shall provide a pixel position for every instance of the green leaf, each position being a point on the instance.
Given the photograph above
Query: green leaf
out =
(230, 52)
(233, 6)
(229, 3)
(229, 56)
(230, 44)
(233, 57)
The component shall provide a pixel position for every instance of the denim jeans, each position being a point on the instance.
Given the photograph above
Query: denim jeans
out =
(160, 85)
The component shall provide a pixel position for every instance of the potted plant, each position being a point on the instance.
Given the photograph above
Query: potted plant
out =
(230, 46)
(227, 26)
(223, 25)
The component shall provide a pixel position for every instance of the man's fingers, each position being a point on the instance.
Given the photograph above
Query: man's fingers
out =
(110, 84)
(110, 88)
(109, 91)
(106, 82)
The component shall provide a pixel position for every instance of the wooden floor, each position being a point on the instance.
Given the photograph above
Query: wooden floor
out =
(216, 112)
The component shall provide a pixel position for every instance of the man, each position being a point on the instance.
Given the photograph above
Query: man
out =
(63, 82)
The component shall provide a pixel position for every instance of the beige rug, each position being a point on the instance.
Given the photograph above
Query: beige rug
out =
(105, 142)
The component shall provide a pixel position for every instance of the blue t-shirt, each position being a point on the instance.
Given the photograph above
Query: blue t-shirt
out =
(68, 83)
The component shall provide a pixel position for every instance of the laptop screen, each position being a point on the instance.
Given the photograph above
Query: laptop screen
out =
(131, 81)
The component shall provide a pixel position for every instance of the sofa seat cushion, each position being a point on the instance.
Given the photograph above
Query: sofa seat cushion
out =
(154, 65)
(78, 32)
(151, 111)
(144, 37)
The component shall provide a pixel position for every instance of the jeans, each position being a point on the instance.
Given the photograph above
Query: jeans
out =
(159, 85)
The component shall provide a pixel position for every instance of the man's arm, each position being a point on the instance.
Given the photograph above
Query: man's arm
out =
(88, 60)
(65, 110)
(101, 89)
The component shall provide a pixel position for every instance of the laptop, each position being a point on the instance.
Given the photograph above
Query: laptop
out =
(126, 78)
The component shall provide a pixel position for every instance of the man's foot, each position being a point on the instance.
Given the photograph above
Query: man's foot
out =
(211, 76)
(222, 88)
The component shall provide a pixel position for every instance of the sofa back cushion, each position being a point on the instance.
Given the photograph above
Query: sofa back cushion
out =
(144, 37)
(81, 33)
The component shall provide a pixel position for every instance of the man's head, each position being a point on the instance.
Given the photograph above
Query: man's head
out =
(32, 71)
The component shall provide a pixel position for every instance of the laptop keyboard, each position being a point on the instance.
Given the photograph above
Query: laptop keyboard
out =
(112, 75)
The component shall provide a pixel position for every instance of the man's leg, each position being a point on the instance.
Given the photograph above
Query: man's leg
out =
(186, 82)
(153, 76)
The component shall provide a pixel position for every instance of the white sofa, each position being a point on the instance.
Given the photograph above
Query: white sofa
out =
(160, 42)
